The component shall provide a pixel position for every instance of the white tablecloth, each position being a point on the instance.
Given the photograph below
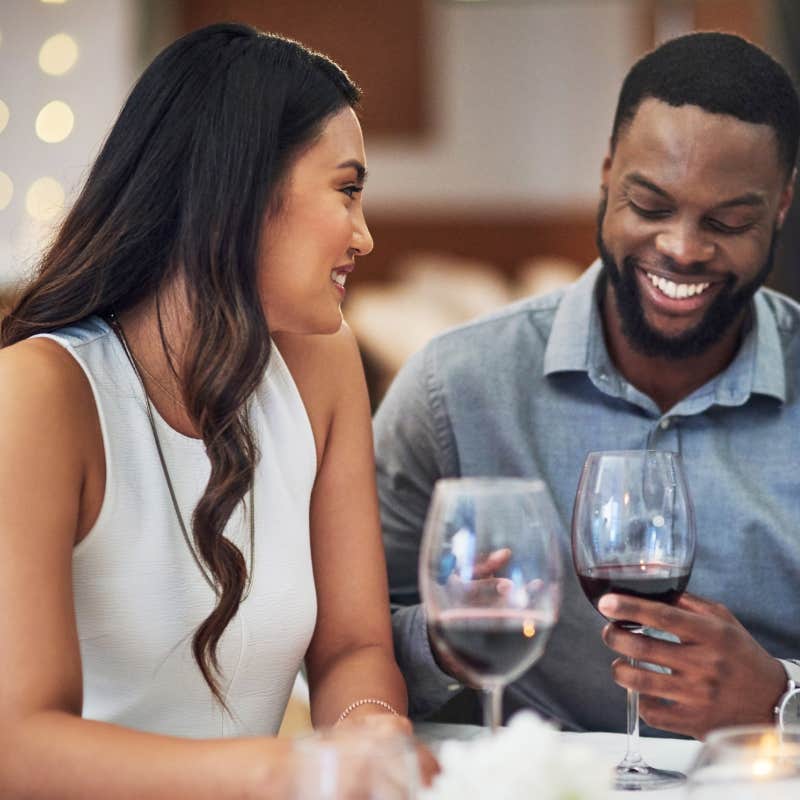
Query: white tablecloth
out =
(676, 754)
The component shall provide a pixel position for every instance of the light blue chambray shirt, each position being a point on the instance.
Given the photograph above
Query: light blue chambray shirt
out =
(529, 391)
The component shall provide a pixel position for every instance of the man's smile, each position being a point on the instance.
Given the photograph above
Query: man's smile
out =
(676, 295)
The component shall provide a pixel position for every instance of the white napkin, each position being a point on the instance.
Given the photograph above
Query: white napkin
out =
(525, 760)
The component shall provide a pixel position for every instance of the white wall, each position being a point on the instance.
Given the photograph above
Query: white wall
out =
(94, 88)
(524, 97)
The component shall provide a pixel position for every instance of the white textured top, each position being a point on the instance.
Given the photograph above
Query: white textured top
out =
(139, 596)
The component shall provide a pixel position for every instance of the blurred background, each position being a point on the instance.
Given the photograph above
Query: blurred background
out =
(486, 122)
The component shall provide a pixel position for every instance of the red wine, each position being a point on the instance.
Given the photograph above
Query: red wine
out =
(491, 644)
(662, 582)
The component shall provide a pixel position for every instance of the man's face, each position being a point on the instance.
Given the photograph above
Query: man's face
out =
(691, 205)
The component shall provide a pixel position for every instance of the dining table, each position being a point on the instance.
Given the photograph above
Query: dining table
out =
(666, 753)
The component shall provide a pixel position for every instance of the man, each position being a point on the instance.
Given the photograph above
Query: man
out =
(667, 342)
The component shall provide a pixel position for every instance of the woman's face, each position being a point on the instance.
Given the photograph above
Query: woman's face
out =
(308, 248)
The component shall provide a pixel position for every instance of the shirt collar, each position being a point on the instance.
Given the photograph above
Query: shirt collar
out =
(768, 365)
(577, 344)
(575, 325)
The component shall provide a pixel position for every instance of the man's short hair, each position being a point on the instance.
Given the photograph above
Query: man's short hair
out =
(722, 74)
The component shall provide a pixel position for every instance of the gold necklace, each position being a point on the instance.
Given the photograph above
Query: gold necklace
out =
(117, 328)
(161, 385)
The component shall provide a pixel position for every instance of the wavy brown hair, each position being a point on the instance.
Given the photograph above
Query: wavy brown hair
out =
(182, 185)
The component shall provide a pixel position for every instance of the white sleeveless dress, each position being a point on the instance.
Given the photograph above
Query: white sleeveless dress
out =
(139, 596)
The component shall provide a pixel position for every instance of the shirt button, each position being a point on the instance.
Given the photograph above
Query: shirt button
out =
(664, 424)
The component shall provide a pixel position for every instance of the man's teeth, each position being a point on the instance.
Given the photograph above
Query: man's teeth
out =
(677, 290)
(338, 277)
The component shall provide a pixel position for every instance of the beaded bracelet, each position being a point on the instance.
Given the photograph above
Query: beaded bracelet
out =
(365, 701)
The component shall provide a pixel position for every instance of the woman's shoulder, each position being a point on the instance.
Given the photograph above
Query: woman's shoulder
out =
(42, 381)
(38, 362)
(329, 376)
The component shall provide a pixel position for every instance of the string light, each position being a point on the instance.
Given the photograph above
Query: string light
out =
(58, 54)
(45, 199)
(6, 190)
(54, 122)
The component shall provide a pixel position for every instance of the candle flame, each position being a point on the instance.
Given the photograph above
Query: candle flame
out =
(762, 768)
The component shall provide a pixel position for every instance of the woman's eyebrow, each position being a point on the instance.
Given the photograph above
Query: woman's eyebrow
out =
(353, 163)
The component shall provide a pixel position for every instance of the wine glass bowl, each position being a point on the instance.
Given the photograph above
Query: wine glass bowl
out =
(633, 533)
(490, 579)
(370, 762)
(747, 762)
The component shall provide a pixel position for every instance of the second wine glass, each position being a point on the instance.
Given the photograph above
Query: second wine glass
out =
(490, 578)
(633, 533)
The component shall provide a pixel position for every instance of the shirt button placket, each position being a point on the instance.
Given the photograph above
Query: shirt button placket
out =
(665, 435)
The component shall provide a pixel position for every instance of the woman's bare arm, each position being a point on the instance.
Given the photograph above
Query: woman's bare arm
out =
(351, 654)
(49, 438)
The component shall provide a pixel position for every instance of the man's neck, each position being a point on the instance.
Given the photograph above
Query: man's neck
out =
(666, 381)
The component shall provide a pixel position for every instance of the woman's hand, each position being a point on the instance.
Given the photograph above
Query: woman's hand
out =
(372, 723)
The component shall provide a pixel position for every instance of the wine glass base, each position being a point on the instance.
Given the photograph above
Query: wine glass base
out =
(642, 778)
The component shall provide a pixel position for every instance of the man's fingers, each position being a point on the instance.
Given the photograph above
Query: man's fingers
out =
(496, 560)
(488, 589)
(685, 624)
(667, 717)
(647, 682)
(719, 674)
(645, 648)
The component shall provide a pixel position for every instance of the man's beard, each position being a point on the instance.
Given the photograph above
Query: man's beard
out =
(726, 308)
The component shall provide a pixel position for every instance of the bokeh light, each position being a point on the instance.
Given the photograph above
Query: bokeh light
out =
(6, 190)
(45, 199)
(54, 122)
(4, 115)
(58, 54)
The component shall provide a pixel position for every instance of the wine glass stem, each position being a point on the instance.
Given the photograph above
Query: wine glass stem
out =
(493, 706)
(633, 757)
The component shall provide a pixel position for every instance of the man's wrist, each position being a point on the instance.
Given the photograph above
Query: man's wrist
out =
(788, 672)
(784, 711)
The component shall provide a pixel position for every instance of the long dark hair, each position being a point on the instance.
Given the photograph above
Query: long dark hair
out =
(182, 184)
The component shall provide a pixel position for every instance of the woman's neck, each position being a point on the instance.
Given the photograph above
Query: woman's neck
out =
(155, 334)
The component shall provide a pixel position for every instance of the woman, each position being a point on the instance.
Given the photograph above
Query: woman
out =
(186, 485)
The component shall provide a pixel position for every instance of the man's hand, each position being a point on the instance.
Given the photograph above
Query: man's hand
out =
(483, 589)
(720, 674)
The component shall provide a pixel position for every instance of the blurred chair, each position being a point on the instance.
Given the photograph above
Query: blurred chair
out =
(393, 320)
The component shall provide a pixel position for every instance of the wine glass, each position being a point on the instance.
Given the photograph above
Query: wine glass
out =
(358, 763)
(747, 762)
(490, 579)
(633, 533)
